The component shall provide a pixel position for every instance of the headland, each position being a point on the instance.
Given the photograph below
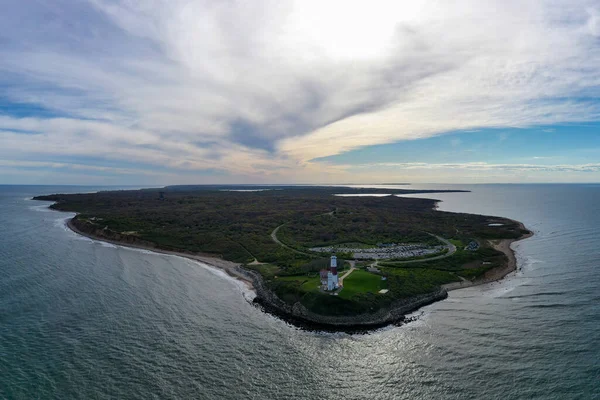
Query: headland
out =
(430, 252)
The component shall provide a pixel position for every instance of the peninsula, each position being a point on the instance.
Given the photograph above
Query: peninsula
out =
(317, 256)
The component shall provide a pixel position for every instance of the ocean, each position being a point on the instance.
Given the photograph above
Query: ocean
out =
(82, 319)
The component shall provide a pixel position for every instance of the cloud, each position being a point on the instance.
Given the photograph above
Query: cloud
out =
(258, 90)
(75, 167)
(483, 166)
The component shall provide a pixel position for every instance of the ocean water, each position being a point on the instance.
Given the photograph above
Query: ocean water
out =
(81, 319)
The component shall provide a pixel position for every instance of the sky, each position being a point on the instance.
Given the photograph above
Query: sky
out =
(159, 92)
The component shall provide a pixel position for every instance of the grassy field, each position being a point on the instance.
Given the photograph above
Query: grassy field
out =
(406, 282)
(458, 243)
(361, 281)
(306, 283)
(468, 264)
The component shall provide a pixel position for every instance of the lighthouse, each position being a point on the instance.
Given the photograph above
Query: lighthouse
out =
(332, 275)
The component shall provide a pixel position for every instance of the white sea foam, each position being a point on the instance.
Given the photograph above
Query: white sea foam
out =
(505, 286)
(503, 289)
(419, 318)
(248, 294)
(529, 264)
(62, 223)
(326, 334)
(143, 251)
(41, 208)
(77, 236)
(242, 286)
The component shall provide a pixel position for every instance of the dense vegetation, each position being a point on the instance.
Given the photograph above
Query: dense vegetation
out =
(237, 226)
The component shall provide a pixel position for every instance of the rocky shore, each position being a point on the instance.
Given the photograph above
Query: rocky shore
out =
(301, 316)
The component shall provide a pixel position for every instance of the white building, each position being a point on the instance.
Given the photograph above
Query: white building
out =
(324, 278)
(332, 275)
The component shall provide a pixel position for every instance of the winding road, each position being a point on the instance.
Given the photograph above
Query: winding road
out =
(279, 242)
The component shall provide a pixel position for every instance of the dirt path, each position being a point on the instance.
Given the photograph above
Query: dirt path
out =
(256, 262)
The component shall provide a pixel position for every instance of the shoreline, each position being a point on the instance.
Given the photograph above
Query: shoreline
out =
(495, 274)
(298, 315)
(228, 267)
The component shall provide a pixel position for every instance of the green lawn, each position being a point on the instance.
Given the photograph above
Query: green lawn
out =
(458, 243)
(361, 282)
(406, 282)
(357, 282)
(307, 283)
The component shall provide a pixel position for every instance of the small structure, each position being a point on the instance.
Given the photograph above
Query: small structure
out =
(332, 275)
(472, 246)
(324, 277)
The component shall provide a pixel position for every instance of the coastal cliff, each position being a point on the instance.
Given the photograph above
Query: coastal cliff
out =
(103, 233)
(299, 314)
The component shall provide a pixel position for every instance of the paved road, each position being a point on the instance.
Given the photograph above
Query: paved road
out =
(279, 242)
(341, 280)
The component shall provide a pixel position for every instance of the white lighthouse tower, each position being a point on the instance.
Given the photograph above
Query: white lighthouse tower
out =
(332, 275)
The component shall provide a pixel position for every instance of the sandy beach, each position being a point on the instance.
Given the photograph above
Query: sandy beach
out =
(495, 274)
(228, 266)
